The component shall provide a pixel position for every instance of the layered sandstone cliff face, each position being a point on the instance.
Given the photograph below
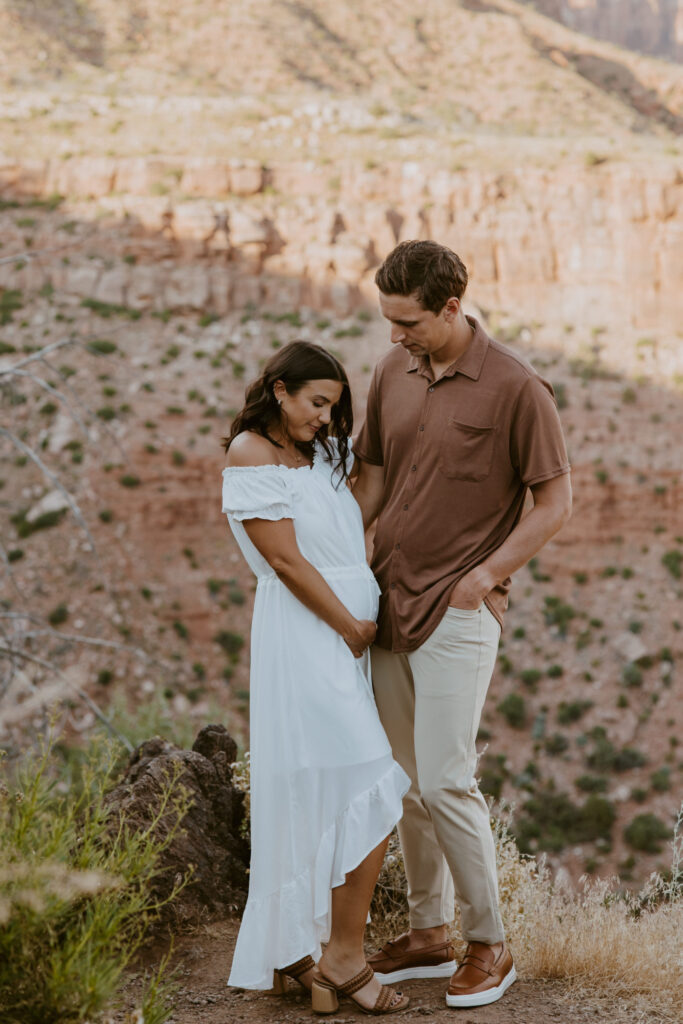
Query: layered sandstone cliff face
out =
(648, 26)
(594, 246)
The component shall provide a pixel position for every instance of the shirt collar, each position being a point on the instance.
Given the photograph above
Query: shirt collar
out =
(469, 363)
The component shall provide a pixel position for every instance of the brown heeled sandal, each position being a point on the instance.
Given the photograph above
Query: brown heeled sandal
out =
(294, 971)
(324, 994)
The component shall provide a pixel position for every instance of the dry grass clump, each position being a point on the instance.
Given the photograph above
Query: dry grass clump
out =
(241, 778)
(604, 943)
(389, 907)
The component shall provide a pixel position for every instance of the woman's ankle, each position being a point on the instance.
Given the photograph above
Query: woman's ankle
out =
(340, 953)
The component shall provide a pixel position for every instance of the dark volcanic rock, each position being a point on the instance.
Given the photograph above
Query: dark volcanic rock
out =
(209, 838)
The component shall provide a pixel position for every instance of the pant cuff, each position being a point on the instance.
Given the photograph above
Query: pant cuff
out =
(417, 921)
(487, 940)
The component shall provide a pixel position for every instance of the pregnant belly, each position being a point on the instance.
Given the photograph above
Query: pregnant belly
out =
(356, 587)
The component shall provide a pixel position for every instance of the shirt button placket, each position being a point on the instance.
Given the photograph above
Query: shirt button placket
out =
(405, 507)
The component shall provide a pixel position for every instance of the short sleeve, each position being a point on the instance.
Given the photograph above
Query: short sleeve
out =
(368, 444)
(537, 446)
(257, 492)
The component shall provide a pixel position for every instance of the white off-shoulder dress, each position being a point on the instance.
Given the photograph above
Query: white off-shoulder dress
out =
(325, 789)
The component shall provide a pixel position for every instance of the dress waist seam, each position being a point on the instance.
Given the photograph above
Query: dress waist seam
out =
(329, 572)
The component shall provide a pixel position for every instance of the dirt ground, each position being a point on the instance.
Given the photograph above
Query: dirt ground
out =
(202, 962)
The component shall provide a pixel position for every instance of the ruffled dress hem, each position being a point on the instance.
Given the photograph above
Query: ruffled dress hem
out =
(293, 921)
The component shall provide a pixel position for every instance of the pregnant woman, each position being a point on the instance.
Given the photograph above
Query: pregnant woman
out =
(325, 790)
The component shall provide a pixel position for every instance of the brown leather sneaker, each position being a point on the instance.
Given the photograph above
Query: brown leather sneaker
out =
(484, 974)
(395, 962)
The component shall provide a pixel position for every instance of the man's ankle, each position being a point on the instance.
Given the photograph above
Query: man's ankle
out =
(428, 936)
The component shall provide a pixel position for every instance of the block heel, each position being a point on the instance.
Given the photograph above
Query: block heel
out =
(294, 971)
(323, 998)
(324, 994)
(279, 983)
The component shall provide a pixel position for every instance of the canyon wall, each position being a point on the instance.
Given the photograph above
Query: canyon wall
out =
(648, 26)
(575, 245)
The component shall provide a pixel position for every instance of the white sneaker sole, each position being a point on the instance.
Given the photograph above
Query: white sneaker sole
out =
(411, 973)
(483, 998)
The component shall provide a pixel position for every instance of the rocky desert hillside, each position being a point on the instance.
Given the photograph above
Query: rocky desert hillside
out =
(650, 26)
(183, 189)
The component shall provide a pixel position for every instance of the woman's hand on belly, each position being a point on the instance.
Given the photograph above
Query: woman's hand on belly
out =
(359, 638)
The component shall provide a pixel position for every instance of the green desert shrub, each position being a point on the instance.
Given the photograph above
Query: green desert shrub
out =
(551, 821)
(101, 347)
(646, 832)
(232, 643)
(673, 561)
(25, 528)
(181, 629)
(556, 744)
(492, 774)
(661, 779)
(591, 783)
(572, 711)
(558, 613)
(631, 674)
(58, 615)
(530, 676)
(10, 301)
(109, 309)
(627, 758)
(76, 895)
(605, 757)
(513, 710)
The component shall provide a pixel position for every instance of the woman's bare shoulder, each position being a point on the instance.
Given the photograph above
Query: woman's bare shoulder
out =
(250, 449)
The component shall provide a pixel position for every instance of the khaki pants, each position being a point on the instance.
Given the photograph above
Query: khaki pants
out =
(430, 703)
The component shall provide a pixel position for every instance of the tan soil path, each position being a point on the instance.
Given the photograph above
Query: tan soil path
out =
(202, 960)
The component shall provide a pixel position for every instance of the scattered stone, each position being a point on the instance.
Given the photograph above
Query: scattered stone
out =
(629, 647)
(64, 430)
(53, 501)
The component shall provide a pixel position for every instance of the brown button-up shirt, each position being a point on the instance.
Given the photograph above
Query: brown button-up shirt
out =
(458, 455)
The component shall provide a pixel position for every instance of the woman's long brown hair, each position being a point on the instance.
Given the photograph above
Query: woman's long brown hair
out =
(295, 365)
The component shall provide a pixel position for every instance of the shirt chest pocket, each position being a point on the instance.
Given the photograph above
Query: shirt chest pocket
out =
(466, 450)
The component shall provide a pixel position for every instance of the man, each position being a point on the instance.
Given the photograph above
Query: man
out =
(458, 427)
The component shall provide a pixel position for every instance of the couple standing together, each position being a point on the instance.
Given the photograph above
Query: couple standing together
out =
(367, 687)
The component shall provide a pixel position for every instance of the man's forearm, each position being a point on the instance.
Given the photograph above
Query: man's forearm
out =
(368, 489)
(551, 510)
(528, 537)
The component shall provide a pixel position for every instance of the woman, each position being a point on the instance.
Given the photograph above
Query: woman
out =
(325, 790)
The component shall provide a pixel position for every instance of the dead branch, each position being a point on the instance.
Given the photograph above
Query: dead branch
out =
(12, 652)
(33, 356)
(50, 390)
(27, 450)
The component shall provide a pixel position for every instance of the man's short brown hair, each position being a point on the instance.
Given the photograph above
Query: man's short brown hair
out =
(431, 271)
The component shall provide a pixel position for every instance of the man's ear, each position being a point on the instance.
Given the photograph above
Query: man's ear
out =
(451, 309)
